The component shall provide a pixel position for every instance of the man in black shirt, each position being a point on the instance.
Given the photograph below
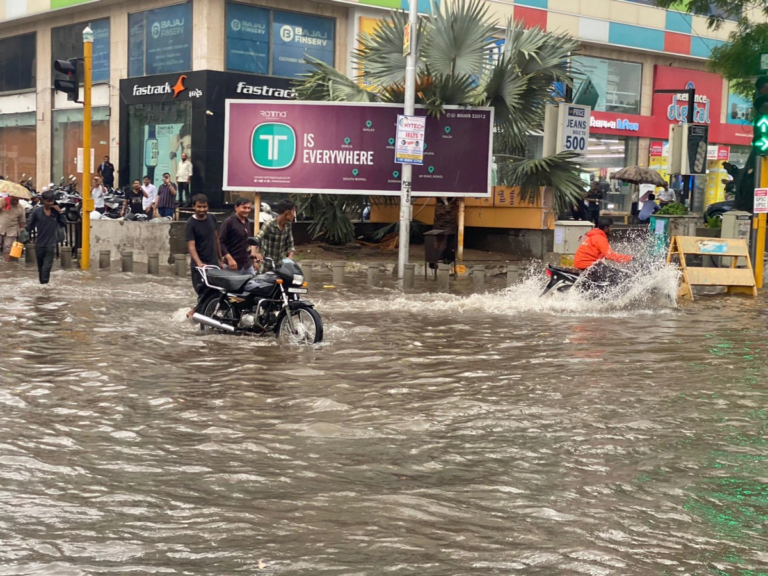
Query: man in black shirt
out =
(134, 199)
(107, 172)
(233, 237)
(202, 241)
(47, 221)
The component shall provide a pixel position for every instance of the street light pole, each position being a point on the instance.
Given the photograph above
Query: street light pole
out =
(407, 169)
(85, 259)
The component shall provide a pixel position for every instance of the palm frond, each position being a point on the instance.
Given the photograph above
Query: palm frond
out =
(457, 40)
(447, 90)
(328, 84)
(558, 171)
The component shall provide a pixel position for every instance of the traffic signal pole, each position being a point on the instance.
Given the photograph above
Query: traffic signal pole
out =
(85, 251)
(759, 223)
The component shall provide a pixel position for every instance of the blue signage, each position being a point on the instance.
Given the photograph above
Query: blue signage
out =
(100, 50)
(740, 110)
(160, 41)
(295, 36)
(247, 39)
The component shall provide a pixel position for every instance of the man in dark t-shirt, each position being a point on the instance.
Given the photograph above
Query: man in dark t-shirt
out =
(202, 240)
(134, 199)
(107, 172)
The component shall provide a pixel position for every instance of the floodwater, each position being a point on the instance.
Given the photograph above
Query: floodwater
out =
(467, 434)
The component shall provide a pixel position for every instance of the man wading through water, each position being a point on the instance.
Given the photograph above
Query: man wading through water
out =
(202, 243)
(49, 224)
(233, 237)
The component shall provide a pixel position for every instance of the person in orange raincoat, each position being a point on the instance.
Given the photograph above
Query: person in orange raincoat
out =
(595, 249)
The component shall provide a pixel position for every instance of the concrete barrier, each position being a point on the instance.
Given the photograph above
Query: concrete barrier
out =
(105, 259)
(444, 277)
(478, 278)
(180, 264)
(409, 276)
(66, 257)
(338, 272)
(513, 275)
(153, 263)
(374, 272)
(141, 238)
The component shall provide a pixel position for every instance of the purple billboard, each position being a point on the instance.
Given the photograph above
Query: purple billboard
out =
(349, 148)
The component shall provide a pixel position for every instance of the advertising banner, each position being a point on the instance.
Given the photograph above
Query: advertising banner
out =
(573, 129)
(101, 42)
(296, 35)
(160, 41)
(247, 38)
(409, 142)
(349, 148)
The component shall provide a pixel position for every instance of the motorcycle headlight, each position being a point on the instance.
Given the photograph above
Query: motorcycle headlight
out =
(298, 279)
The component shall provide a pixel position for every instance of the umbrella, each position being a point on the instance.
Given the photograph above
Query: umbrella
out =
(14, 190)
(639, 175)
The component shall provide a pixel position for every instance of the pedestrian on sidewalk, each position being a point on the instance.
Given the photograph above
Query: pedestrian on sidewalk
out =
(49, 224)
(12, 220)
(107, 172)
(166, 196)
(233, 237)
(276, 236)
(98, 195)
(134, 200)
(183, 176)
(202, 242)
(150, 197)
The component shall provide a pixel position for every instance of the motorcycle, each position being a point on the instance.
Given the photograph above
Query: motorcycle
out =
(563, 279)
(259, 304)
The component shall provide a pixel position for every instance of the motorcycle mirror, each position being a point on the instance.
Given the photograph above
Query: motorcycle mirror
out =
(60, 181)
(254, 241)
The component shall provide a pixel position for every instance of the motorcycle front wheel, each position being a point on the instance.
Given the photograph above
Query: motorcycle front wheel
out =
(307, 327)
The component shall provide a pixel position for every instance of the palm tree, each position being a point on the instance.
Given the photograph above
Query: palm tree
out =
(459, 63)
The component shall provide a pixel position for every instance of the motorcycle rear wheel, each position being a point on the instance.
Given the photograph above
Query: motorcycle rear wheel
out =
(225, 312)
(308, 327)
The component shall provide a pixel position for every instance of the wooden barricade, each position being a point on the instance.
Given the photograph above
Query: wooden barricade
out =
(735, 280)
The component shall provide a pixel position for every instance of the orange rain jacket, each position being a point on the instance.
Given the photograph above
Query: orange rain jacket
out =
(595, 247)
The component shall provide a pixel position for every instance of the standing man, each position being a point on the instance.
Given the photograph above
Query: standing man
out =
(183, 176)
(150, 197)
(276, 236)
(166, 196)
(233, 237)
(594, 197)
(202, 241)
(98, 195)
(106, 172)
(134, 199)
(12, 220)
(666, 196)
(47, 220)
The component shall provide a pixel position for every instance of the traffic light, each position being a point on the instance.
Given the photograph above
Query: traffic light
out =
(70, 86)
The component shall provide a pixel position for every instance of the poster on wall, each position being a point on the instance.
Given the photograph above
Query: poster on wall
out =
(296, 35)
(163, 146)
(349, 148)
(739, 110)
(160, 41)
(247, 38)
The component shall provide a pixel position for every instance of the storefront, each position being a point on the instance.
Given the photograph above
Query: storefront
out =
(166, 115)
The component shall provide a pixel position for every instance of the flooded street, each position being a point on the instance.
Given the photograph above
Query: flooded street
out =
(486, 434)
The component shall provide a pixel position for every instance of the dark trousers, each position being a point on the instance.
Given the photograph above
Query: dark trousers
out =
(199, 286)
(184, 193)
(45, 256)
(594, 215)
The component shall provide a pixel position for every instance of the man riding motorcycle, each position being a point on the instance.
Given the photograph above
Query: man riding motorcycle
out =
(595, 250)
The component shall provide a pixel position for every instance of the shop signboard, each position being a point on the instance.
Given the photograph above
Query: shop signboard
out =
(160, 41)
(295, 36)
(573, 128)
(247, 38)
(348, 148)
(761, 201)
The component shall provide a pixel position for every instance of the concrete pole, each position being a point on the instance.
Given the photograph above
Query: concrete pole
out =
(85, 261)
(153, 263)
(374, 272)
(444, 277)
(29, 254)
(66, 257)
(127, 258)
(406, 210)
(478, 279)
(180, 264)
(513, 275)
(105, 259)
(338, 272)
(409, 279)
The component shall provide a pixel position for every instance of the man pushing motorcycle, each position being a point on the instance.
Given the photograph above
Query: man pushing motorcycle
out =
(595, 250)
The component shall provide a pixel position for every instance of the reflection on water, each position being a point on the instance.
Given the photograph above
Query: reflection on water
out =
(489, 434)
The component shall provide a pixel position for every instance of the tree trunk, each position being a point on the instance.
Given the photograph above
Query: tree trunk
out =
(446, 214)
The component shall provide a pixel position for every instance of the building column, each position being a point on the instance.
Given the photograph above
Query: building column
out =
(118, 69)
(43, 133)
(208, 29)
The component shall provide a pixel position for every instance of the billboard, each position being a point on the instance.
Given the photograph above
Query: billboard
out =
(349, 148)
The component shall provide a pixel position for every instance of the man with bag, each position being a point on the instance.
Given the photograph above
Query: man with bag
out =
(11, 222)
(49, 224)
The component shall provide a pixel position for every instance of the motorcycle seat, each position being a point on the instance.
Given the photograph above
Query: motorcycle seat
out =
(229, 281)
(574, 271)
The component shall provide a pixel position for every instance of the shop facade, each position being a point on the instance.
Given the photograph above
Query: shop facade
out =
(166, 115)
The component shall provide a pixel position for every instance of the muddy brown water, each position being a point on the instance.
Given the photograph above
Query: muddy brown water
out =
(485, 434)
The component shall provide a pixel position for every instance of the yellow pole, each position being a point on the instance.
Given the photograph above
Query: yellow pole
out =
(85, 259)
(460, 249)
(760, 248)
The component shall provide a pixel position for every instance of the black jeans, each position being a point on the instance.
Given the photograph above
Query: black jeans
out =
(45, 256)
(184, 193)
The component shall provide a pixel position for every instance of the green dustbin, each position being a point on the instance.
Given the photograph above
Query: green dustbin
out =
(659, 236)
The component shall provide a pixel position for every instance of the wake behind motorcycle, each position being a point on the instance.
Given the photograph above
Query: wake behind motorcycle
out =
(259, 304)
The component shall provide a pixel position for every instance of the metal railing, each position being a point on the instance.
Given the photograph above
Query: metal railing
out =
(74, 237)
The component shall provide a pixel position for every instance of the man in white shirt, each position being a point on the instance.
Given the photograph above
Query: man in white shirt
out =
(183, 176)
(148, 203)
(666, 196)
(98, 195)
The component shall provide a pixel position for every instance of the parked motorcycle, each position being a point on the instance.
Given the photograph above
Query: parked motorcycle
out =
(259, 304)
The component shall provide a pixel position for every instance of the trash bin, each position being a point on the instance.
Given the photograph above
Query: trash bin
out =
(440, 248)
(569, 234)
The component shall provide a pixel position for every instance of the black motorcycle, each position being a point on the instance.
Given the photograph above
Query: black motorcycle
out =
(259, 304)
(563, 279)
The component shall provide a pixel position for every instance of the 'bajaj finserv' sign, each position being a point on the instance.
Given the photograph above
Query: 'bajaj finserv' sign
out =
(349, 148)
